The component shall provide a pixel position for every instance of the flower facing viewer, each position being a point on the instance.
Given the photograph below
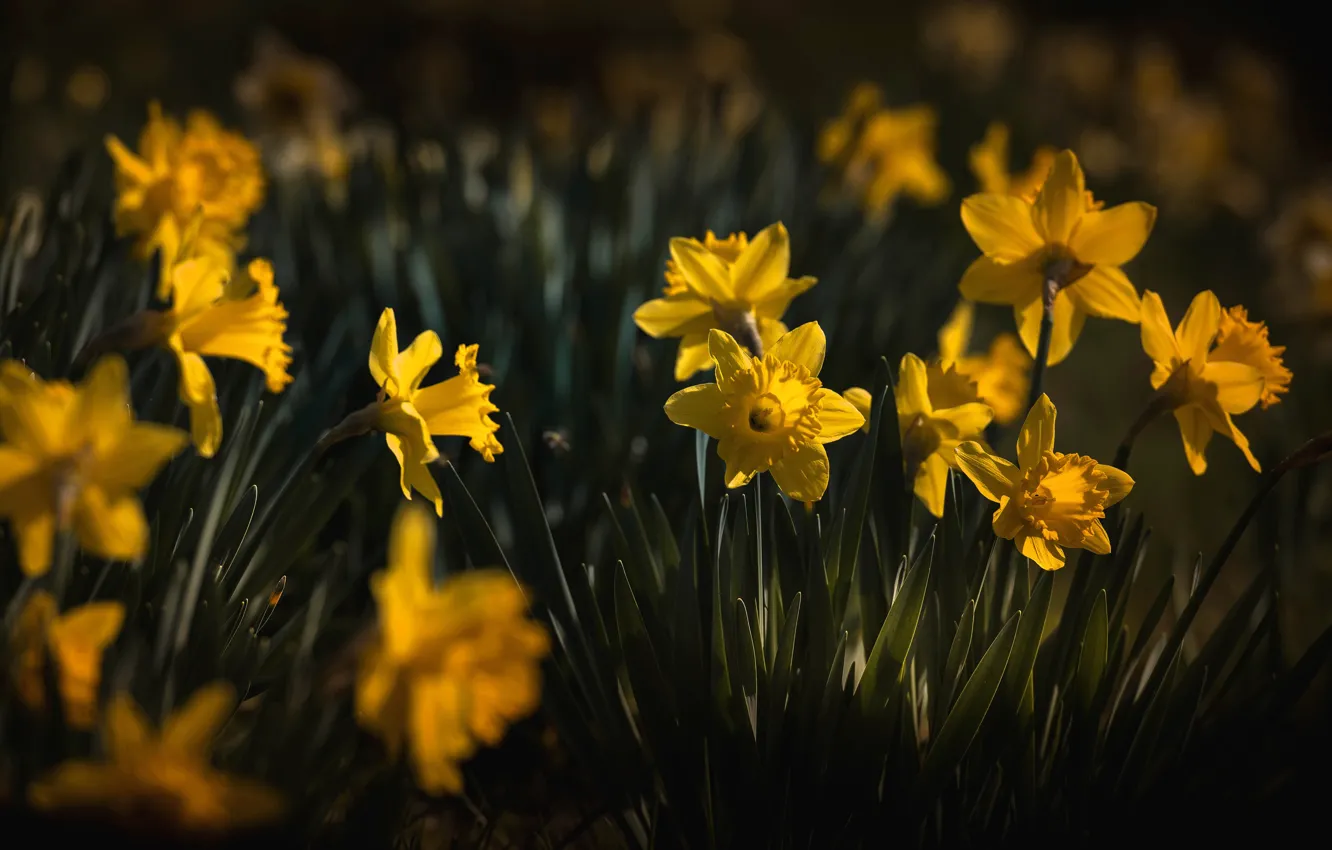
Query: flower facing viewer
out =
(735, 284)
(76, 640)
(451, 666)
(1061, 246)
(73, 457)
(936, 410)
(770, 414)
(1050, 501)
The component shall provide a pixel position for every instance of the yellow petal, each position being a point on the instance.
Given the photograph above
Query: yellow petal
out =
(461, 406)
(414, 474)
(384, 352)
(837, 416)
(89, 627)
(36, 415)
(403, 420)
(994, 283)
(931, 483)
(197, 390)
(1061, 201)
(412, 542)
(1097, 542)
(134, 458)
(693, 356)
(1067, 325)
(437, 720)
(1114, 236)
(133, 168)
(803, 474)
(109, 525)
(1199, 326)
(703, 271)
(127, 730)
(701, 406)
(190, 730)
(675, 315)
(1222, 424)
(196, 283)
(804, 346)
(732, 361)
(968, 419)
(1196, 432)
(912, 392)
(741, 465)
(922, 178)
(1239, 386)
(1158, 340)
(1001, 226)
(1117, 483)
(761, 268)
(35, 529)
(1038, 433)
(859, 398)
(1105, 292)
(1047, 554)
(955, 335)
(774, 306)
(993, 476)
(104, 399)
(1008, 520)
(415, 361)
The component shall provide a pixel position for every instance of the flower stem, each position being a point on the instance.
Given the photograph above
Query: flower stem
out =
(1160, 403)
(1048, 293)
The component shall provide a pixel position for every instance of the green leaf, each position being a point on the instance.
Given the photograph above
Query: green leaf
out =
(1092, 660)
(747, 673)
(883, 668)
(1152, 618)
(779, 686)
(957, 657)
(1028, 640)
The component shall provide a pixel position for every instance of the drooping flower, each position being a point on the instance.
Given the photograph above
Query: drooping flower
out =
(1050, 501)
(1002, 375)
(217, 313)
(409, 414)
(161, 779)
(1062, 241)
(73, 457)
(860, 399)
(735, 284)
(76, 641)
(1239, 340)
(1205, 391)
(179, 171)
(988, 159)
(770, 414)
(937, 409)
(451, 665)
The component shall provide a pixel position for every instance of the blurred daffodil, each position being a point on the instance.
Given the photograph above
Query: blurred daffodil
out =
(178, 171)
(735, 284)
(164, 776)
(73, 457)
(1050, 501)
(1204, 389)
(1002, 375)
(770, 414)
(988, 159)
(76, 640)
(1061, 248)
(937, 409)
(451, 665)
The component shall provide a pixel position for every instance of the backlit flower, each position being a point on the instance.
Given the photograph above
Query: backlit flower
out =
(1002, 375)
(73, 457)
(770, 414)
(409, 414)
(452, 665)
(178, 171)
(936, 410)
(894, 155)
(988, 159)
(163, 779)
(76, 641)
(1063, 240)
(1239, 340)
(1205, 391)
(1050, 501)
(735, 284)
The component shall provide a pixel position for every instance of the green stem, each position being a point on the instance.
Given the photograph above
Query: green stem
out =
(1161, 403)
(1049, 291)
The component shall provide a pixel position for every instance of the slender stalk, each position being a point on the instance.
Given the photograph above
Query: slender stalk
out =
(1049, 291)
(1160, 403)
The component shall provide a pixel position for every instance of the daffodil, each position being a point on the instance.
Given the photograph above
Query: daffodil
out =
(165, 778)
(74, 457)
(1239, 340)
(451, 665)
(1204, 390)
(179, 171)
(936, 410)
(76, 640)
(1050, 501)
(1062, 248)
(409, 414)
(1002, 375)
(735, 284)
(770, 414)
(988, 159)
(894, 155)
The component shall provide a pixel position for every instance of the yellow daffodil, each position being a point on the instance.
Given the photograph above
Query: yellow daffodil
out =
(838, 137)
(1002, 375)
(936, 410)
(988, 159)
(165, 777)
(1204, 389)
(215, 313)
(894, 155)
(860, 399)
(1061, 246)
(735, 284)
(770, 413)
(74, 457)
(451, 666)
(1239, 340)
(178, 171)
(1050, 501)
(409, 414)
(76, 640)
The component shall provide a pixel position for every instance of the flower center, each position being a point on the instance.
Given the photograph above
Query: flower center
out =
(766, 414)
(1062, 267)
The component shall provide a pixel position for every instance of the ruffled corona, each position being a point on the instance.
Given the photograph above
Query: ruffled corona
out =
(1239, 340)
(937, 409)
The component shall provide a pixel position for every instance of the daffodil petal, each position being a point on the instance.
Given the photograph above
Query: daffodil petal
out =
(404, 421)
(932, 483)
(35, 529)
(1196, 432)
(803, 474)
(1061, 201)
(693, 356)
(969, 419)
(997, 283)
(859, 398)
(804, 346)
(1106, 292)
(1008, 519)
(1066, 326)
(104, 397)
(415, 361)
(1199, 326)
(110, 526)
(91, 626)
(774, 305)
(675, 315)
(127, 730)
(1117, 483)
(742, 464)
(384, 352)
(837, 416)
(1113, 236)
(704, 272)
(1239, 386)
(1047, 554)
(135, 456)
(1222, 424)
(1158, 339)
(1038, 433)
(1001, 226)
(761, 268)
(732, 361)
(993, 476)
(912, 392)
(1096, 540)
(955, 334)
(701, 406)
(190, 730)
(413, 474)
